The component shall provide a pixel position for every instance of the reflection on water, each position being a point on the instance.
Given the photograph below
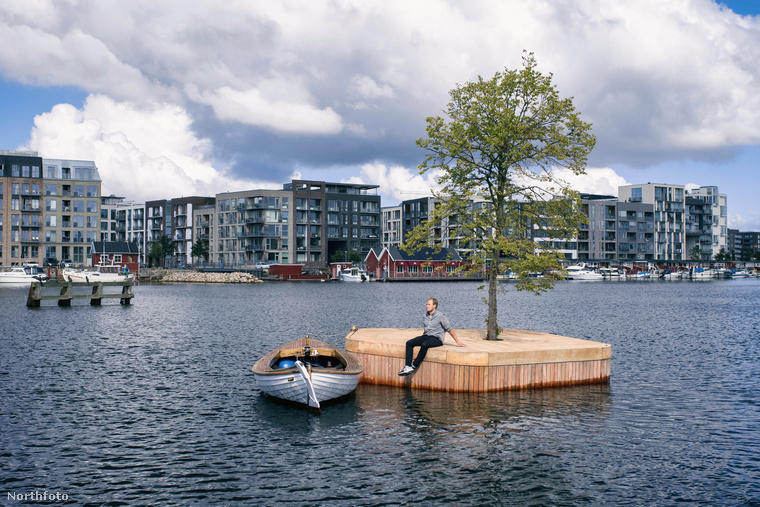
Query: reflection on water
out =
(155, 403)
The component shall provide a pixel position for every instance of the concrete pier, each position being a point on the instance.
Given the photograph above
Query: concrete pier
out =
(67, 292)
(520, 359)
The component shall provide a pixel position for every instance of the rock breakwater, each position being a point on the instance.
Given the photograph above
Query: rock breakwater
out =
(183, 276)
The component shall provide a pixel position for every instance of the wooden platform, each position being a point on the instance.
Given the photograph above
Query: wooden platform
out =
(521, 359)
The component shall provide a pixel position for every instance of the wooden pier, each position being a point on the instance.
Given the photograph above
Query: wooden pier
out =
(67, 292)
(519, 359)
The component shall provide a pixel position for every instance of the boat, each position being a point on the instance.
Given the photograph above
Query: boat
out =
(670, 274)
(700, 273)
(354, 275)
(611, 273)
(99, 273)
(737, 273)
(308, 371)
(583, 272)
(27, 273)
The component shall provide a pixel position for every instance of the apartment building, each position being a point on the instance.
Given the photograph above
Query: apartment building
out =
(712, 221)
(123, 221)
(248, 227)
(392, 226)
(598, 239)
(72, 209)
(304, 223)
(21, 219)
(669, 203)
(743, 246)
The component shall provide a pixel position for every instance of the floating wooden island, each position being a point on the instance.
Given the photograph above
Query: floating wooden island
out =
(519, 359)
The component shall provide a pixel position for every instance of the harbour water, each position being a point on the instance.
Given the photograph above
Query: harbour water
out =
(155, 404)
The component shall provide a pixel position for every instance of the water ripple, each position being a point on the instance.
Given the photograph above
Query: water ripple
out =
(154, 403)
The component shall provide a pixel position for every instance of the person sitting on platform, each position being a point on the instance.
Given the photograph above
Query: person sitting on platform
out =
(435, 326)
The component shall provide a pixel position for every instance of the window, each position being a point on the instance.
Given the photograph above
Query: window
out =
(399, 268)
(92, 191)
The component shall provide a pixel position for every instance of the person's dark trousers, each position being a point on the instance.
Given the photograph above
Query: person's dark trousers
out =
(424, 342)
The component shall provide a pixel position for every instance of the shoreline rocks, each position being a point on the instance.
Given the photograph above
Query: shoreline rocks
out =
(189, 276)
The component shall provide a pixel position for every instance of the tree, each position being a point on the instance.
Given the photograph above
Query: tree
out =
(502, 144)
(156, 253)
(338, 256)
(161, 248)
(200, 249)
(722, 255)
(694, 253)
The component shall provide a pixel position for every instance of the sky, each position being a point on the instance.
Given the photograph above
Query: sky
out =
(173, 98)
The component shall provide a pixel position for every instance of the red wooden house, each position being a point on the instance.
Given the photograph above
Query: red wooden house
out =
(119, 253)
(425, 263)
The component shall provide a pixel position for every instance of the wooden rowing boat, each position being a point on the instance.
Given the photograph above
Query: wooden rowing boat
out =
(307, 371)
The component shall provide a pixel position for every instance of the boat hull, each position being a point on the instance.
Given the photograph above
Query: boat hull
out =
(25, 275)
(94, 276)
(291, 386)
(333, 373)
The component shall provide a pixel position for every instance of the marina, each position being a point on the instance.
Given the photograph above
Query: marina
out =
(155, 402)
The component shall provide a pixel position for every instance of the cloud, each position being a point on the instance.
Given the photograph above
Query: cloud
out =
(396, 183)
(602, 181)
(269, 87)
(250, 107)
(142, 153)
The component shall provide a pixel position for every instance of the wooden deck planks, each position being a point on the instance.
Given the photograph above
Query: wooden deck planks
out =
(521, 359)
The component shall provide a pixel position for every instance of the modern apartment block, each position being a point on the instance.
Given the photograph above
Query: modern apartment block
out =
(173, 218)
(21, 220)
(392, 226)
(247, 227)
(711, 221)
(743, 246)
(304, 223)
(352, 221)
(72, 209)
(669, 203)
(598, 239)
(123, 221)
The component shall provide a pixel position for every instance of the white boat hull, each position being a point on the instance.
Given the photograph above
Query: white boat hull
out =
(20, 276)
(95, 276)
(307, 371)
(354, 275)
(583, 273)
(291, 386)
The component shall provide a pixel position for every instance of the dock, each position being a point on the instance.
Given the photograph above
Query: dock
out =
(64, 292)
(519, 359)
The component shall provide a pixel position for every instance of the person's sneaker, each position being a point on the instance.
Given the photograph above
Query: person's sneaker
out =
(406, 371)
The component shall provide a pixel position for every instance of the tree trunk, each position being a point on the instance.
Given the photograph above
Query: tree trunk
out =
(493, 323)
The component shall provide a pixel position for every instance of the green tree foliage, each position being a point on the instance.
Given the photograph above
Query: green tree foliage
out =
(200, 249)
(694, 253)
(723, 255)
(160, 249)
(502, 143)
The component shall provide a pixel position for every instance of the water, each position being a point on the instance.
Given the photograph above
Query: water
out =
(155, 403)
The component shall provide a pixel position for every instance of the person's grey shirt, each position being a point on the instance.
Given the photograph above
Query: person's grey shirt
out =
(436, 325)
